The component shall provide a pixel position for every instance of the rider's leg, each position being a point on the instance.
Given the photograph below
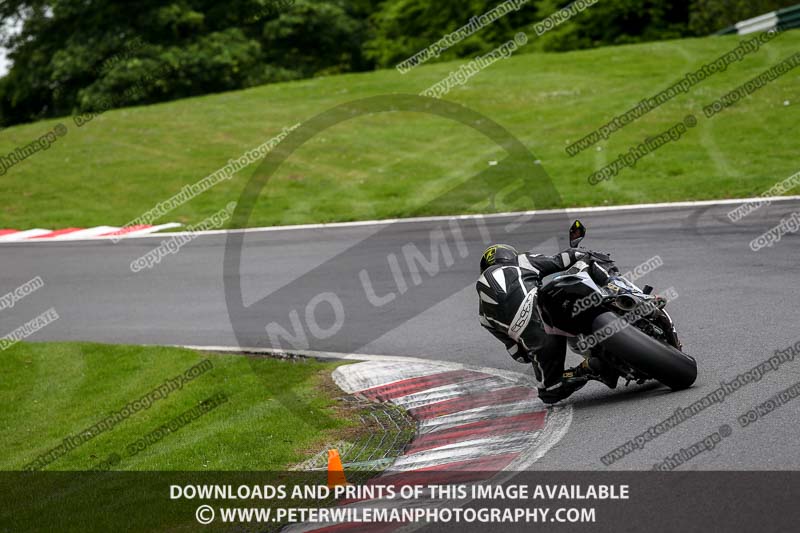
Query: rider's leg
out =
(548, 365)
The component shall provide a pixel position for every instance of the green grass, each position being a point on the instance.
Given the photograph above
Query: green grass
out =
(122, 163)
(276, 414)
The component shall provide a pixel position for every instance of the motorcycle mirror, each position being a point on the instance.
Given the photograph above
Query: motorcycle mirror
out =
(576, 233)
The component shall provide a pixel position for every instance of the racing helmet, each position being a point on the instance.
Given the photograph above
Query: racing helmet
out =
(499, 254)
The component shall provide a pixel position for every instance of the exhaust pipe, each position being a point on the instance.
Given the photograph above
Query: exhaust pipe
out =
(626, 302)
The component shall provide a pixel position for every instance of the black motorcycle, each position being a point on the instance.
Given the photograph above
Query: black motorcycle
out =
(608, 317)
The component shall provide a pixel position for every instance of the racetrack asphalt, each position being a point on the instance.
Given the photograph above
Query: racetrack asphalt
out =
(735, 308)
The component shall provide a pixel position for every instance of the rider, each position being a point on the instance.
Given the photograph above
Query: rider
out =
(507, 291)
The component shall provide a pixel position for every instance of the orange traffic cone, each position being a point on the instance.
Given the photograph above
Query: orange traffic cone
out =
(335, 469)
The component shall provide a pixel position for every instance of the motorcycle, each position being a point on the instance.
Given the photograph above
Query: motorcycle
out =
(606, 316)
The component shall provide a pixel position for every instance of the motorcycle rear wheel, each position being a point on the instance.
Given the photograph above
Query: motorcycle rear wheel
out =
(655, 359)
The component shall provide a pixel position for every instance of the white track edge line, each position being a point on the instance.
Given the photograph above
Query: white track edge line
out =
(440, 218)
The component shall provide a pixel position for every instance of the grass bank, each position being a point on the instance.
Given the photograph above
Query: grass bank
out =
(259, 414)
(122, 163)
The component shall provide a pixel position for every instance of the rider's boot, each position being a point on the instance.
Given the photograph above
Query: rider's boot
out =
(576, 377)
(571, 380)
(580, 373)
